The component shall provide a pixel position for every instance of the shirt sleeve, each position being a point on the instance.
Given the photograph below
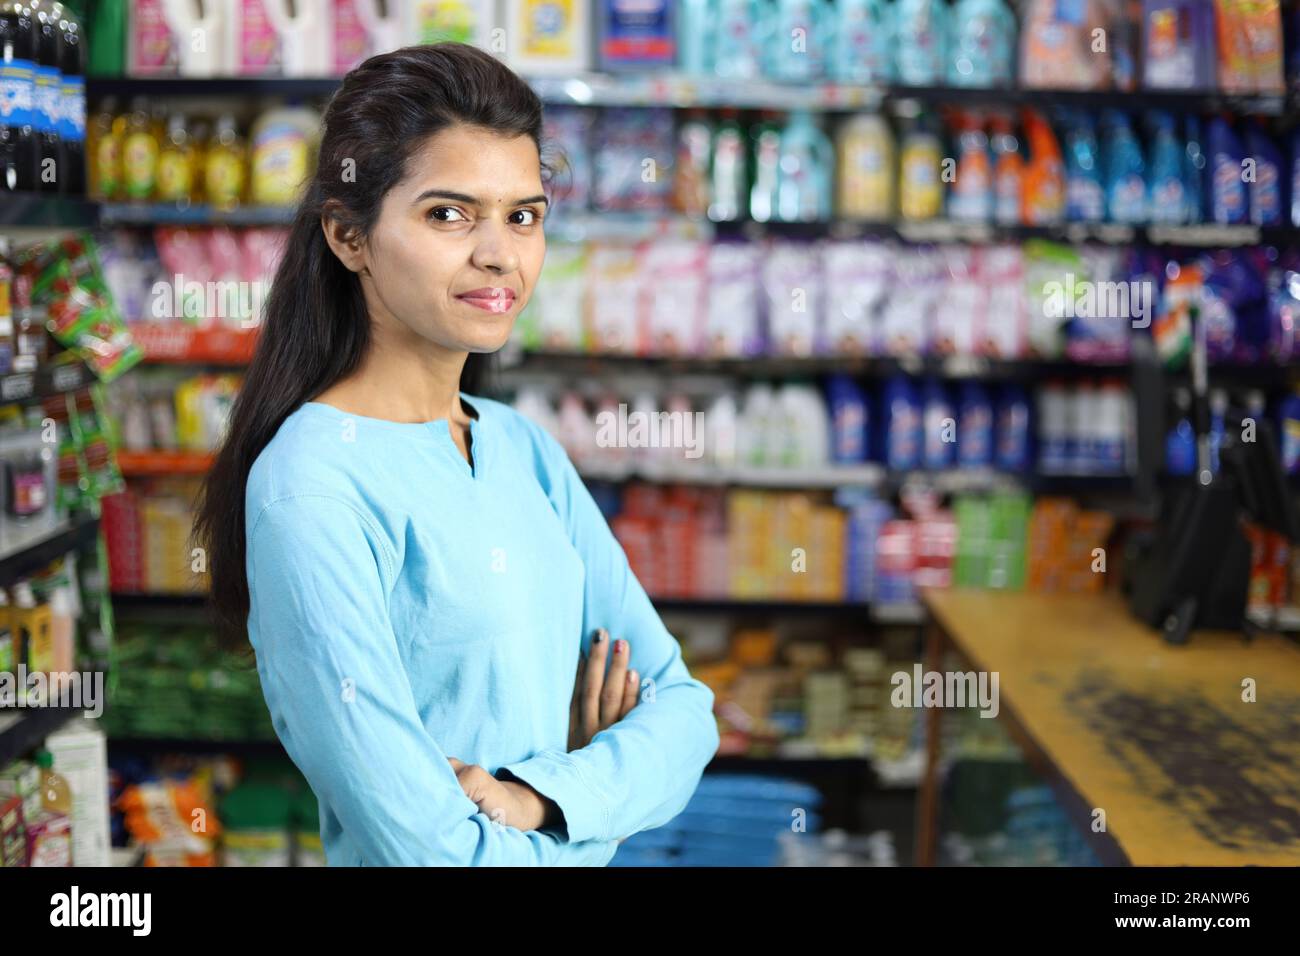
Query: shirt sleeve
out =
(343, 707)
(640, 772)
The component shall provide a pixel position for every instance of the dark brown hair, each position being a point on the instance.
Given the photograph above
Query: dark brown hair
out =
(316, 328)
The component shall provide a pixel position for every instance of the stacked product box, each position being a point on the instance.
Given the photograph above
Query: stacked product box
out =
(1063, 544)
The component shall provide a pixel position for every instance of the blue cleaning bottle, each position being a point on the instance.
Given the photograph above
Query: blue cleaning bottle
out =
(1194, 175)
(1265, 186)
(1169, 198)
(921, 42)
(1013, 430)
(940, 426)
(974, 427)
(980, 44)
(1229, 204)
(1125, 170)
(850, 421)
(903, 435)
(1085, 198)
(695, 19)
(797, 48)
(739, 36)
(863, 47)
(805, 169)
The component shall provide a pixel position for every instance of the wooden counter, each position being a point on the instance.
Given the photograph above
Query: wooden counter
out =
(1158, 736)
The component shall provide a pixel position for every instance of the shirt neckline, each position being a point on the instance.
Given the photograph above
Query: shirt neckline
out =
(439, 427)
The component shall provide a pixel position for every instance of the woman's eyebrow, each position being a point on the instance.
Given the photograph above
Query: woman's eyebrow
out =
(472, 200)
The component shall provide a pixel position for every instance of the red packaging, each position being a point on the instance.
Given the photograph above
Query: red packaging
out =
(13, 835)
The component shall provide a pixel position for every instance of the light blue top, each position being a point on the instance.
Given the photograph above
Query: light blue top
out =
(407, 606)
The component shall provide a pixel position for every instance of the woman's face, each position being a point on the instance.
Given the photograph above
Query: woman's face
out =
(458, 244)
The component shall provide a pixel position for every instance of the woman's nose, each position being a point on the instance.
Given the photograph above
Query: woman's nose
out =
(495, 249)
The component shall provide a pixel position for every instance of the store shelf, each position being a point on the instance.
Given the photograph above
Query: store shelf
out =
(47, 210)
(23, 729)
(1201, 235)
(570, 364)
(191, 214)
(25, 551)
(868, 475)
(177, 343)
(142, 463)
(667, 88)
(778, 608)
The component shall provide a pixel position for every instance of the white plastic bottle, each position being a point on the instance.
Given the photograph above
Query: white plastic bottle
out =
(201, 35)
(386, 29)
(720, 432)
(306, 42)
(754, 425)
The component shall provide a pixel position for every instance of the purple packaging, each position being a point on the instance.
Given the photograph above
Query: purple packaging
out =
(732, 308)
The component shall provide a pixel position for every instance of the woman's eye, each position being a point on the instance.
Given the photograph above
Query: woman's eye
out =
(533, 217)
(436, 211)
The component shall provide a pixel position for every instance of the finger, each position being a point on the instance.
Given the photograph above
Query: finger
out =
(593, 682)
(611, 697)
(455, 764)
(575, 701)
(632, 694)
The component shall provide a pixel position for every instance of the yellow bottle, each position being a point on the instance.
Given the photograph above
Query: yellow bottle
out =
(56, 795)
(225, 167)
(140, 150)
(175, 164)
(199, 138)
(104, 149)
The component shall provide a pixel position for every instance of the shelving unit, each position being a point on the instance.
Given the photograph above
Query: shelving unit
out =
(685, 92)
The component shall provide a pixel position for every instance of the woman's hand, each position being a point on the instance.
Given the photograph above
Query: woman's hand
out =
(507, 802)
(601, 699)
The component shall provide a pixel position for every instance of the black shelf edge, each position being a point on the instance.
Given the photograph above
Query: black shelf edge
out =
(37, 554)
(33, 725)
(160, 86)
(198, 214)
(1205, 235)
(47, 210)
(673, 89)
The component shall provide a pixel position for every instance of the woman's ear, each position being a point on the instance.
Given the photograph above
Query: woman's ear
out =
(344, 242)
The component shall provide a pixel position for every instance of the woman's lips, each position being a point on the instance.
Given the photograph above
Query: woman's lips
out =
(490, 300)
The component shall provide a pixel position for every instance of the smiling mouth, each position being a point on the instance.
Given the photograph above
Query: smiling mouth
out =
(497, 302)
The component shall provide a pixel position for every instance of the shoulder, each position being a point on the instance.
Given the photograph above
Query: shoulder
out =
(307, 462)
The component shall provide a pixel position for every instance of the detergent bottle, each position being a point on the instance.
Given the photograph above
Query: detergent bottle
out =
(804, 171)
(921, 41)
(1228, 204)
(1008, 172)
(797, 45)
(863, 48)
(865, 169)
(194, 21)
(1126, 186)
(1043, 196)
(739, 37)
(920, 186)
(971, 197)
(1170, 202)
(980, 44)
(1085, 200)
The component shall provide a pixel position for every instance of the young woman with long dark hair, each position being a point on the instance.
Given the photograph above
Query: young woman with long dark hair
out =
(428, 586)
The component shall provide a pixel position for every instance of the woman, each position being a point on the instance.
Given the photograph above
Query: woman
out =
(419, 569)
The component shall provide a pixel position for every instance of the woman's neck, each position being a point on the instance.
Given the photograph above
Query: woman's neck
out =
(402, 385)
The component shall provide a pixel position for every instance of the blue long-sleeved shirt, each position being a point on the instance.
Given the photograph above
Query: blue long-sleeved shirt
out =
(407, 606)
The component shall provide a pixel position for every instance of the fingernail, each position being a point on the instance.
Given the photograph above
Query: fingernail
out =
(620, 646)
(600, 635)
(631, 677)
